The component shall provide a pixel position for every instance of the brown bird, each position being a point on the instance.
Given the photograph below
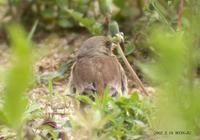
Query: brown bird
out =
(97, 67)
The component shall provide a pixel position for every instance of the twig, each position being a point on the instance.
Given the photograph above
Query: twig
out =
(180, 14)
(133, 73)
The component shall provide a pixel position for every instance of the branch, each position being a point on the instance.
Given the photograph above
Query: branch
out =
(180, 14)
(133, 73)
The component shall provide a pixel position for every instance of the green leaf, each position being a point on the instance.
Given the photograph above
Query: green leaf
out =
(15, 2)
(50, 85)
(62, 22)
(2, 1)
(113, 28)
(105, 6)
(120, 3)
(30, 35)
(18, 77)
(105, 99)
(33, 108)
(90, 24)
(3, 119)
(129, 49)
(84, 99)
(162, 13)
(48, 13)
(134, 98)
(49, 130)
(76, 15)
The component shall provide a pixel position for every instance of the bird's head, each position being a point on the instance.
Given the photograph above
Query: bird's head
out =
(96, 46)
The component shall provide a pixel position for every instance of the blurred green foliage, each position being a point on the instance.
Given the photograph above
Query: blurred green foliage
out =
(2, 1)
(134, 17)
(17, 81)
(90, 24)
(53, 14)
(173, 73)
(121, 118)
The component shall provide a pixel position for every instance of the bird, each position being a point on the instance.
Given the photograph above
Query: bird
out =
(95, 68)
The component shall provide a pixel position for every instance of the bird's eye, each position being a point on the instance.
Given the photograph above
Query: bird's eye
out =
(108, 44)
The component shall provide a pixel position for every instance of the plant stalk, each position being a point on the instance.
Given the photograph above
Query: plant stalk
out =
(133, 73)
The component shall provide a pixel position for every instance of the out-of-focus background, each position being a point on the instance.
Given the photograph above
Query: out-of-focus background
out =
(38, 43)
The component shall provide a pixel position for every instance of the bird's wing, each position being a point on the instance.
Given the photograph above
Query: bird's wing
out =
(97, 72)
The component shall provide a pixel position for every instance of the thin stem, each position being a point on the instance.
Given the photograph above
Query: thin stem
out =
(133, 73)
(180, 14)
